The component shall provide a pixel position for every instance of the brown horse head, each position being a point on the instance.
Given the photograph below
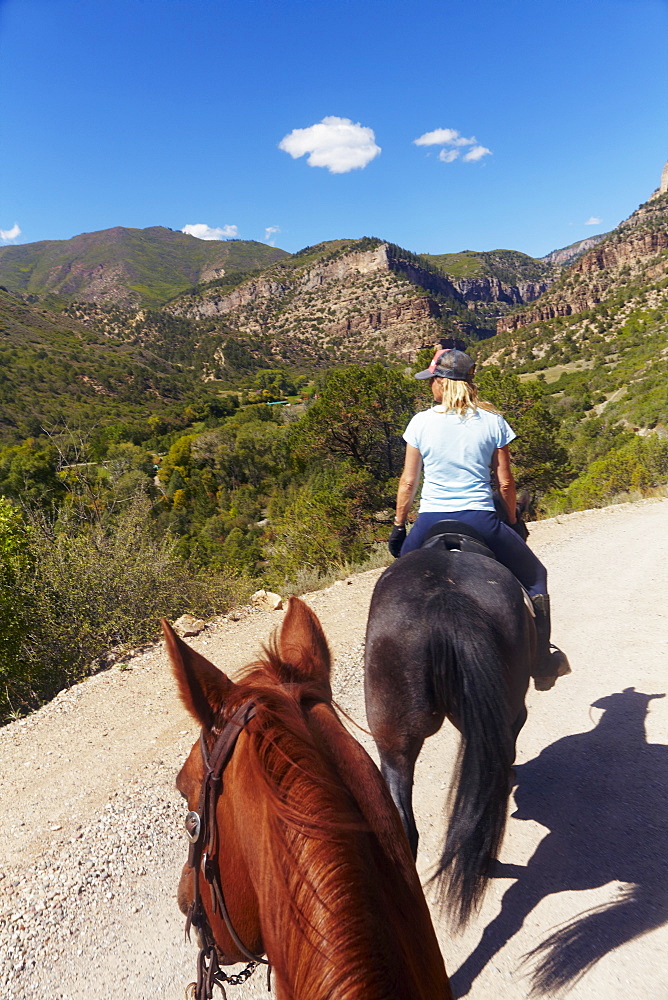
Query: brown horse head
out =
(206, 692)
(299, 655)
(312, 860)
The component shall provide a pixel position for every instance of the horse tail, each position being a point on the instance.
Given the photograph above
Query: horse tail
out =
(470, 675)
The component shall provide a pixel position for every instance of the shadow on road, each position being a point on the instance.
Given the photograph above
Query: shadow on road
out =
(602, 795)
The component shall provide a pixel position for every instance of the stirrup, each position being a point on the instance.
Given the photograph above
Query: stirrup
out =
(559, 662)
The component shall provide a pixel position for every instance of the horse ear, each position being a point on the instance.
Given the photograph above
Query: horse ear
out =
(204, 688)
(302, 645)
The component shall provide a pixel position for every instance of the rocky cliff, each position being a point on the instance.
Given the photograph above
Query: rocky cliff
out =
(570, 253)
(634, 252)
(492, 282)
(370, 301)
(353, 300)
(599, 335)
(488, 289)
(344, 299)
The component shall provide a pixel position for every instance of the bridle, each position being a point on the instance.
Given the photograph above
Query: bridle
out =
(203, 856)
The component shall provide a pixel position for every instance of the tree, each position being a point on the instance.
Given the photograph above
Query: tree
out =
(640, 465)
(359, 413)
(540, 462)
(277, 382)
(325, 522)
(29, 473)
(15, 561)
(254, 453)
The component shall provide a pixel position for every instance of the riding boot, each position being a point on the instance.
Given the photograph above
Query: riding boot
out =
(550, 661)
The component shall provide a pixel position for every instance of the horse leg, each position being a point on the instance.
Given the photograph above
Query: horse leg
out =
(401, 715)
(515, 730)
(397, 769)
(517, 725)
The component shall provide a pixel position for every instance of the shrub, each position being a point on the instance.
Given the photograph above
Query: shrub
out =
(637, 467)
(540, 462)
(15, 562)
(306, 580)
(325, 525)
(87, 587)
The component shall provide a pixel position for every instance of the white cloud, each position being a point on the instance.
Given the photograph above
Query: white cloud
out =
(10, 234)
(338, 144)
(204, 232)
(455, 143)
(593, 221)
(269, 234)
(477, 153)
(443, 137)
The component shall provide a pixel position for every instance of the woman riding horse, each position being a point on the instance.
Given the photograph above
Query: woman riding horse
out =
(457, 441)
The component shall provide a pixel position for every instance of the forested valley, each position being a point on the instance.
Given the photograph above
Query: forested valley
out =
(162, 460)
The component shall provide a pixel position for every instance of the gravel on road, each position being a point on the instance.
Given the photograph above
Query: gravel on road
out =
(91, 827)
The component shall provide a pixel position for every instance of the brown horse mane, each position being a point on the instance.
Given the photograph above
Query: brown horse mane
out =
(326, 894)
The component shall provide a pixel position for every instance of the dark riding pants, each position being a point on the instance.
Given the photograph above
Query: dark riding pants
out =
(505, 543)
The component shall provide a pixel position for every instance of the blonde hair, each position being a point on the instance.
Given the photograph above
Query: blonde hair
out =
(461, 396)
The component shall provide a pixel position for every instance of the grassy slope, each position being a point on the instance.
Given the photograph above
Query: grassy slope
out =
(154, 263)
(623, 339)
(54, 369)
(510, 266)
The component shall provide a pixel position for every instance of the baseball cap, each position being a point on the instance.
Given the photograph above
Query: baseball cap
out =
(449, 364)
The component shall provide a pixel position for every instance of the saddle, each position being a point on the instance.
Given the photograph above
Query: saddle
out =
(456, 536)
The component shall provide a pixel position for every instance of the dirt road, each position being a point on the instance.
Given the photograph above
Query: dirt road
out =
(90, 827)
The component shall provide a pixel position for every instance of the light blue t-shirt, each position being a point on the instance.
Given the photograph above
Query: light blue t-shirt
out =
(457, 455)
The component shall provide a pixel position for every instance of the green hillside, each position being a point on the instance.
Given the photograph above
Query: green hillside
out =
(140, 267)
(598, 340)
(609, 360)
(284, 269)
(91, 366)
(161, 478)
(53, 369)
(510, 266)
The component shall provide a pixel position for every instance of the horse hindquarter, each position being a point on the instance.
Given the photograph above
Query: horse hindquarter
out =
(448, 635)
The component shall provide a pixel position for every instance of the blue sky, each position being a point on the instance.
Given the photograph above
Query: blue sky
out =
(540, 123)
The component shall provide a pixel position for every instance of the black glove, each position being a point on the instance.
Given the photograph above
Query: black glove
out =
(396, 540)
(520, 528)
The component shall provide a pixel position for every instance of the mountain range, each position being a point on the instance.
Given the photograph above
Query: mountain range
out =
(128, 267)
(145, 318)
(603, 325)
(148, 267)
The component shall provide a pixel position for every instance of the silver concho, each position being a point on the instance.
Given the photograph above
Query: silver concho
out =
(192, 826)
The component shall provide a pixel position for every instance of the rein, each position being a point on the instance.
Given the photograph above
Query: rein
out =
(202, 856)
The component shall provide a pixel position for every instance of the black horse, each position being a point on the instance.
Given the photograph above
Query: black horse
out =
(451, 634)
